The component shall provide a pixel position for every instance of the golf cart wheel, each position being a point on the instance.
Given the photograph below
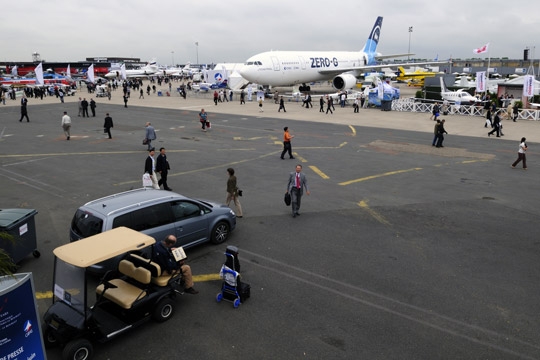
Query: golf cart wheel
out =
(236, 303)
(164, 310)
(48, 338)
(219, 297)
(79, 349)
(220, 232)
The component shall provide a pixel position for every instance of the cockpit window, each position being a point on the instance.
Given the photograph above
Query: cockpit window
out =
(253, 63)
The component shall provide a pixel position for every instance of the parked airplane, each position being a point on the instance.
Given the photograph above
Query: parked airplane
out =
(459, 96)
(285, 68)
(186, 71)
(415, 78)
(149, 69)
(49, 78)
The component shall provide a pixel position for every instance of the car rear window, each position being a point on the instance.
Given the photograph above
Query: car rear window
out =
(85, 224)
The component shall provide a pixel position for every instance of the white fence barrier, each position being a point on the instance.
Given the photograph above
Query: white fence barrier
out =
(410, 105)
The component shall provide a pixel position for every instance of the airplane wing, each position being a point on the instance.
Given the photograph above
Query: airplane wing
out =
(372, 67)
(390, 56)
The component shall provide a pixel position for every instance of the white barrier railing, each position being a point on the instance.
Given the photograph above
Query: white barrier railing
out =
(410, 105)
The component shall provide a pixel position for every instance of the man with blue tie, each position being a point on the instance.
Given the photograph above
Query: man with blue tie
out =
(296, 185)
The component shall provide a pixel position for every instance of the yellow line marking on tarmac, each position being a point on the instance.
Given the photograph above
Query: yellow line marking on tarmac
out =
(44, 295)
(240, 138)
(206, 277)
(303, 160)
(49, 294)
(196, 278)
(353, 130)
(363, 204)
(319, 172)
(471, 161)
(207, 168)
(378, 176)
(320, 147)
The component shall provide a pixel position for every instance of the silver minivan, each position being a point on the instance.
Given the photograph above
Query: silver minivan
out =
(156, 213)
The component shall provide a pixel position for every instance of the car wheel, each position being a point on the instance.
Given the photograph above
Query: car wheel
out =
(79, 349)
(220, 232)
(48, 338)
(164, 310)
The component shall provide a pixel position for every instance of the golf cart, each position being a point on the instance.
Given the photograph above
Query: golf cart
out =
(125, 298)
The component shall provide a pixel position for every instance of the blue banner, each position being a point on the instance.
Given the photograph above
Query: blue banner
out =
(20, 330)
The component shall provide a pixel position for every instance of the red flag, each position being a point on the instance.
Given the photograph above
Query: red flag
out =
(482, 49)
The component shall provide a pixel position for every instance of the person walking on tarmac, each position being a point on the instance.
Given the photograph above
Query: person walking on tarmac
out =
(281, 104)
(287, 137)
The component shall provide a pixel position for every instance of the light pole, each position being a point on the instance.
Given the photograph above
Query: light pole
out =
(197, 47)
(409, 51)
(172, 55)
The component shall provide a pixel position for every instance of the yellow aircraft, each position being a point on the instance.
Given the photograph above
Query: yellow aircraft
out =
(414, 78)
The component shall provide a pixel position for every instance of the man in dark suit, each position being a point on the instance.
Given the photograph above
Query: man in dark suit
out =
(295, 186)
(93, 107)
(162, 167)
(84, 105)
(24, 111)
(150, 168)
(107, 125)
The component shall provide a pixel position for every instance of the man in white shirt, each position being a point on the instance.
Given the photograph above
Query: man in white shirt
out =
(66, 124)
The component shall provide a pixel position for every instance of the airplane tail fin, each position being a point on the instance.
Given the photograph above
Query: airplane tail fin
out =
(401, 71)
(373, 40)
(443, 85)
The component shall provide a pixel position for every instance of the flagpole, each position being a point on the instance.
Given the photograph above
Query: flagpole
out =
(487, 70)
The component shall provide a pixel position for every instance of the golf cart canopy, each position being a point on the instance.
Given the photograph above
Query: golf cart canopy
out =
(94, 249)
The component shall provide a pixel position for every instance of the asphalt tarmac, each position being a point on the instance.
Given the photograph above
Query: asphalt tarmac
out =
(402, 250)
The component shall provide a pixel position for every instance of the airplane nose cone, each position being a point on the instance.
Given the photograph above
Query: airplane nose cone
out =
(243, 70)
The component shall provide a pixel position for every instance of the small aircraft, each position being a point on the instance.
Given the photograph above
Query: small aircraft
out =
(48, 79)
(186, 71)
(149, 69)
(206, 86)
(285, 68)
(459, 96)
(415, 78)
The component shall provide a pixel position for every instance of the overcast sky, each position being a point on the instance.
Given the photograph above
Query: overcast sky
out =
(234, 30)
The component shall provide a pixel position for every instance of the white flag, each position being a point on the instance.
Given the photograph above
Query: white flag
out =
(14, 70)
(123, 71)
(39, 75)
(90, 73)
(68, 71)
(528, 85)
(481, 81)
(481, 49)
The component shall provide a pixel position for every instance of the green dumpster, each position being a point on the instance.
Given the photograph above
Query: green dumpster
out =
(20, 226)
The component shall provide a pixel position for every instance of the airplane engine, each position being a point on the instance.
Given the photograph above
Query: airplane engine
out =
(344, 82)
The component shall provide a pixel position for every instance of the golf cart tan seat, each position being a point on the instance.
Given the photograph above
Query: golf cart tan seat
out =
(124, 293)
(158, 278)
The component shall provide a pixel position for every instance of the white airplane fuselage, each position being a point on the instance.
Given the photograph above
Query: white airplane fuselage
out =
(144, 71)
(459, 96)
(284, 68)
